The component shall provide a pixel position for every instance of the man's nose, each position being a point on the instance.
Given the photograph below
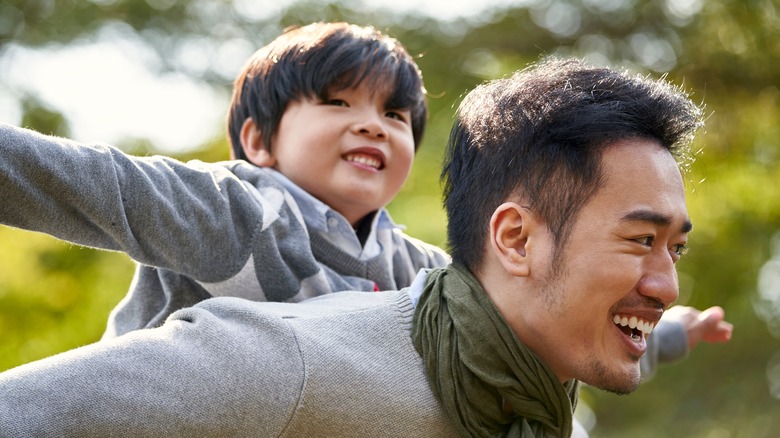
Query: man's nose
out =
(660, 278)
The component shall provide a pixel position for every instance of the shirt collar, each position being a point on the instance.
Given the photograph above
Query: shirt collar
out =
(317, 212)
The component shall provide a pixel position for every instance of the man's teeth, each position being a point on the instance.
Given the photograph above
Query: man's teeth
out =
(634, 323)
(363, 159)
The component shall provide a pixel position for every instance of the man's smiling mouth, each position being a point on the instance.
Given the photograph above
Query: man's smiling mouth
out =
(633, 327)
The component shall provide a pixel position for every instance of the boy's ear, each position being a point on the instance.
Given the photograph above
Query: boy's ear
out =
(254, 148)
(510, 227)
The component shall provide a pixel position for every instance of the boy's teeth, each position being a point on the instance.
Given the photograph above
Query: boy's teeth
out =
(362, 159)
(634, 323)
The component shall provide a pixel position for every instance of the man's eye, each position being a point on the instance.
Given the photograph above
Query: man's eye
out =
(680, 249)
(646, 241)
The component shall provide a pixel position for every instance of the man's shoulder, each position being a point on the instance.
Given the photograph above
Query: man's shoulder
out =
(340, 303)
(331, 305)
(337, 325)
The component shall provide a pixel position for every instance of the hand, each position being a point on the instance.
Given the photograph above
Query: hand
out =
(707, 325)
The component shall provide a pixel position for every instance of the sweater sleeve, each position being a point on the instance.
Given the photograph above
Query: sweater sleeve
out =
(153, 208)
(667, 343)
(223, 368)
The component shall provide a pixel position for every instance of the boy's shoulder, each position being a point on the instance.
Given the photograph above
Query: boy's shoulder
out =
(240, 168)
(432, 251)
(242, 171)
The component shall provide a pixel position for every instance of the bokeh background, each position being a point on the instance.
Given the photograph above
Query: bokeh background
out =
(154, 76)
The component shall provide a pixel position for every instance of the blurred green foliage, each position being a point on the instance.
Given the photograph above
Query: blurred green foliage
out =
(54, 296)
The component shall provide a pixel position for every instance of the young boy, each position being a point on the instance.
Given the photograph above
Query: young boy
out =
(326, 118)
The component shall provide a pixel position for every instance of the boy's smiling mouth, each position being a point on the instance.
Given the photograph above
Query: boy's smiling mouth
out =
(366, 159)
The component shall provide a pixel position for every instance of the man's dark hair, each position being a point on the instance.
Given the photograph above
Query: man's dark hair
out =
(322, 58)
(538, 137)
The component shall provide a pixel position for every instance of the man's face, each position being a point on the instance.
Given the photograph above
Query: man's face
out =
(351, 151)
(618, 265)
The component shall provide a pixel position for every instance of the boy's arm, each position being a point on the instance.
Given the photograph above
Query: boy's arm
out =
(680, 330)
(155, 209)
(667, 343)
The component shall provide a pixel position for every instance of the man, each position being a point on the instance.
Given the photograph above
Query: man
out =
(567, 214)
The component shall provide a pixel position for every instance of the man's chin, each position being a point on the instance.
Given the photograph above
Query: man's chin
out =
(621, 388)
(618, 381)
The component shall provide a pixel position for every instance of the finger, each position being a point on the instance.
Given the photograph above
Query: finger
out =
(715, 329)
(712, 315)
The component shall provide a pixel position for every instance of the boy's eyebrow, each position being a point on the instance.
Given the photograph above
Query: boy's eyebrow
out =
(656, 219)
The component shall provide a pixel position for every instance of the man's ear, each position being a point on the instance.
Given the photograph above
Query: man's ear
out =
(253, 145)
(510, 227)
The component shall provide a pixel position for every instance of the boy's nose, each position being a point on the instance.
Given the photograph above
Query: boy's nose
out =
(372, 127)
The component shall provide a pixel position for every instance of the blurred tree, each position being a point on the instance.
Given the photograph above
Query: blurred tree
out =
(43, 118)
(727, 53)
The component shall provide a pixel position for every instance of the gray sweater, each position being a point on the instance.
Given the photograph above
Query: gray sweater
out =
(197, 230)
(342, 365)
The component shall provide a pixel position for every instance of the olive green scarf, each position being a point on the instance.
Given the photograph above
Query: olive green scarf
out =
(475, 362)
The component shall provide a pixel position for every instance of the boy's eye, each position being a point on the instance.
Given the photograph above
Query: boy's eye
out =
(396, 115)
(336, 102)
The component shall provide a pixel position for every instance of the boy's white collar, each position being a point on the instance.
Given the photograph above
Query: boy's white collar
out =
(317, 211)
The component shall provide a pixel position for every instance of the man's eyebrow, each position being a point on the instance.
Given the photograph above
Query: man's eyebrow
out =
(656, 219)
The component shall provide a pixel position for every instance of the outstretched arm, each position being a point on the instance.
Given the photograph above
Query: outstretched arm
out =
(681, 329)
(155, 209)
(701, 326)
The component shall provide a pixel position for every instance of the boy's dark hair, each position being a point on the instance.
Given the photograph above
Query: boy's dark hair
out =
(314, 60)
(539, 135)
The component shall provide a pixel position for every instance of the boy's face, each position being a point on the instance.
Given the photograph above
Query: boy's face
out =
(351, 152)
(618, 262)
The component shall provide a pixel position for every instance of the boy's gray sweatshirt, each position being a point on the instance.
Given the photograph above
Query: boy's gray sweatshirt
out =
(197, 230)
